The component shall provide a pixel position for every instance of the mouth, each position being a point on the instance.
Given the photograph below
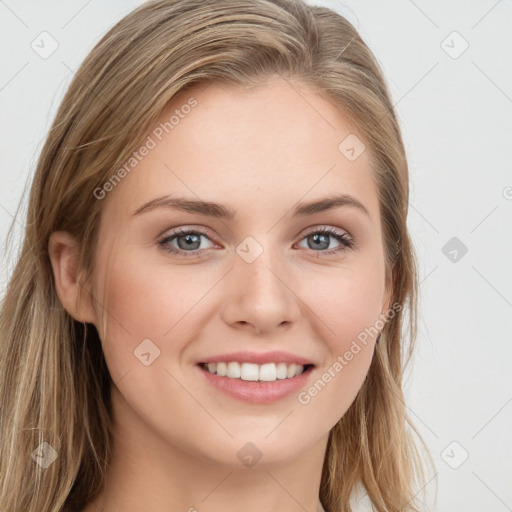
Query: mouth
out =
(252, 372)
(256, 384)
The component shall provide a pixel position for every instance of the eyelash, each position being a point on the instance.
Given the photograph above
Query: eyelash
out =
(341, 236)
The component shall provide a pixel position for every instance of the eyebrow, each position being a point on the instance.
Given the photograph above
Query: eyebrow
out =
(220, 211)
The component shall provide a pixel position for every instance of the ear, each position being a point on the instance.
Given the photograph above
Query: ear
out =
(77, 301)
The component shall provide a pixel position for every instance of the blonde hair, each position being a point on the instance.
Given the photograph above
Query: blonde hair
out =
(54, 382)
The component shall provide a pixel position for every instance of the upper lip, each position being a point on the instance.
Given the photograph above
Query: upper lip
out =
(276, 356)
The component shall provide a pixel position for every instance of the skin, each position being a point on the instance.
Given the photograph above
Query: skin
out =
(259, 152)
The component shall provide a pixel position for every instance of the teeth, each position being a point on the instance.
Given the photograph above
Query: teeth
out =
(268, 372)
(221, 369)
(282, 371)
(233, 371)
(249, 371)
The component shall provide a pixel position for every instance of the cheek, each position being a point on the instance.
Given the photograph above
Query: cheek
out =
(349, 304)
(141, 304)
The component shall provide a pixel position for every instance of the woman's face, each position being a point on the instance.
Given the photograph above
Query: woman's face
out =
(266, 279)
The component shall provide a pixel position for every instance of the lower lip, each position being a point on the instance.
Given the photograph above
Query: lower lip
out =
(257, 392)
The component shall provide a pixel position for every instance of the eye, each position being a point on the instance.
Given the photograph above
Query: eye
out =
(188, 241)
(319, 239)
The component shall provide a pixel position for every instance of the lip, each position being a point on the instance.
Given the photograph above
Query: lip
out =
(274, 356)
(257, 392)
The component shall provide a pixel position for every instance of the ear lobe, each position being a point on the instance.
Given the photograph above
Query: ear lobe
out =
(63, 251)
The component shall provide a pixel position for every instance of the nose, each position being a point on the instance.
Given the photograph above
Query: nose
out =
(261, 296)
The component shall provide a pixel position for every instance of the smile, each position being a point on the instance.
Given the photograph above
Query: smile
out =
(254, 372)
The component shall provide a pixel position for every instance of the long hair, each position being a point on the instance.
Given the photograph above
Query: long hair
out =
(54, 382)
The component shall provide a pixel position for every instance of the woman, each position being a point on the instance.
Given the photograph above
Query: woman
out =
(207, 309)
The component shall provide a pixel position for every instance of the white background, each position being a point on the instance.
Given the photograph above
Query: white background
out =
(456, 117)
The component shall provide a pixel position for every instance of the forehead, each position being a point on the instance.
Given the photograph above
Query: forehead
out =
(276, 143)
